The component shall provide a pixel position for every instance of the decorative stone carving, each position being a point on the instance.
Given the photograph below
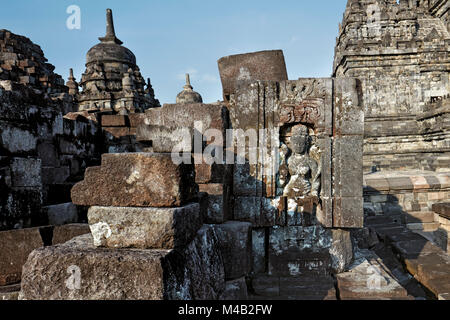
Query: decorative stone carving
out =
(304, 172)
(112, 80)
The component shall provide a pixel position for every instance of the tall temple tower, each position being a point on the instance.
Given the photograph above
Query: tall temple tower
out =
(399, 49)
(112, 80)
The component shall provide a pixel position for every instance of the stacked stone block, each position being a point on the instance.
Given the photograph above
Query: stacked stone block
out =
(399, 51)
(182, 126)
(406, 197)
(187, 128)
(294, 249)
(287, 243)
(442, 217)
(148, 239)
(18, 244)
(42, 153)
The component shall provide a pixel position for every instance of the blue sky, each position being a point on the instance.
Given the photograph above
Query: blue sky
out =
(172, 37)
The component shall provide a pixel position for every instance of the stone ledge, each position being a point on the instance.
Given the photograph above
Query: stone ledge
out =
(368, 280)
(386, 182)
(443, 209)
(16, 246)
(136, 180)
(144, 228)
(194, 273)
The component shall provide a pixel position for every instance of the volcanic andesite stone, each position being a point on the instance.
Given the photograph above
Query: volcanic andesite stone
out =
(194, 273)
(136, 180)
(16, 245)
(262, 65)
(144, 228)
(62, 234)
(236, 247)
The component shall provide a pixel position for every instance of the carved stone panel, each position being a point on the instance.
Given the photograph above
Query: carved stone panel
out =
(309, 135)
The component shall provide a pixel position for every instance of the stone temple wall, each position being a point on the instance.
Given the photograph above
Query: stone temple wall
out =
(222, 230)
(42, 152)
(284, 219)
(399, 51)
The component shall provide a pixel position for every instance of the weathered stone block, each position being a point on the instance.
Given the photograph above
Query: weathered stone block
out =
(21, 207)
(219, 203)
(415, 248)
(369, 281)
(167, 139)
(341, 250)
(376, 184)
(348, 113)
(136, 180)
(114, 121)
(261, 212)
(62, 234)
(347, 166)
(263, 65)
(293, 251)
(244, 181)
(16, 246)
(61, 214)
(144, 228)
(236, 247)
(47, 153)
(348, 212)
(52, 175)
(308, 287)
(17, 140)
(266, 286)
(235, 290)
(443, 209)
(195, 273)
(215, 173)
(26, 172)
(202, 117)
(259, 250)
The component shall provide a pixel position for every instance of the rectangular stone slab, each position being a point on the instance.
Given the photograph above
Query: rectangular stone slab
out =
(62, 234)
(16, 245)
(236, 248)
(194, 273)
(263, 65)
(294, 251)
(144, 228)
(136, 180)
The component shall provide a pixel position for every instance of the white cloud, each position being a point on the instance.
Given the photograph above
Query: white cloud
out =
(191, 71)
(197, 77)
(209, 78)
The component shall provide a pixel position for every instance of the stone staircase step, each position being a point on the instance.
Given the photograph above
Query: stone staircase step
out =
(367, 279)
(408, 235)
(418, 217)
(412, 249)
(443, 209)
(427, 227)
(376, 221)
(10, 292)
(432, 271)
(294, 298)
(444, 296)
(391, 230)
(305, 287)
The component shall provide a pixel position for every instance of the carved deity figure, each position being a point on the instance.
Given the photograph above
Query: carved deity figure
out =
(303, 170)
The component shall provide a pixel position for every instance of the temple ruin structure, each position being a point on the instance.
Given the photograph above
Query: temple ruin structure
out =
(308, 189)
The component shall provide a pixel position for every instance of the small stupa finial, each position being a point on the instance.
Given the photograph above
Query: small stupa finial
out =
(188, 95)
(72, 84)
(71, 77)
(188, 83)
(110, 31)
